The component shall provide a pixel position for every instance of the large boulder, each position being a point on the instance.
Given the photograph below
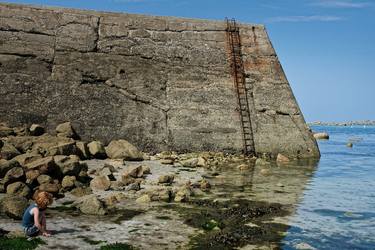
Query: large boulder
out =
(6, 131)
(13, 175)
(82, 150)
(66, 130)
(190, 163)
(68, 182)
(13, 206)
(321, 136)
(64, 148)
(36, 130)
(70, 165)
(91, 205)
(53, 187)
(19, 189)
(122, 149)
(166, 179)
(97, 150)
(134, 171)
(44, 179)
(8, 151)
(27, 158)
(46, 166)
(5, 166)
(100, 183)
(183, 194)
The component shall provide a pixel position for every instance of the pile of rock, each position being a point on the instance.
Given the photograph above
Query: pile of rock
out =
(32, 160)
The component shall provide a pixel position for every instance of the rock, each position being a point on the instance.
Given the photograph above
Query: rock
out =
(19, 189)
(92, 205)
(65, 130)
(146, 170)
(100, 183)
(6, 165)
(69, 165)
(68, 182)
(122, 149)
(134, 171)
(321, 136)
(44, 179)
(167, 161)
(349, 145)
(108, 171)
(14, 175)
(183, 194)
(68, 148)
(46, 166)
(6, 131)
(82, 150)
(52, 188)
(280, 184)
(261, 162)
(134, 186)
(126, 180)
(304, 246)
(265, 172)
(8, 151)
(97, 150)
(190, 163)
(282, 159)
(36, 130)
(32, 175)
(144, 199)
(117, 185)
(26, 158)
(243, 167)
(13, 206)
(202, 162)
(81, 191)
(167, 179)
(160, 195)
(205, 185)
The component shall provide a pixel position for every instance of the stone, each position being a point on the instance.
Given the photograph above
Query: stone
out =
(166, 179)
(244, 167)
(68, 182)
(69, 165)
(97, 150)
(261, 162)
(32, 175)
(44, 179)
(167, 161)
(82, 150)
(26, 158)
(92, 205)
(100, 183)
(6, 131)
(204, 185)
(8, 151)
(81, 191)
(46, 166)
(349, 145)
(126, 180)
(183, 194)
(146, 170)
(133, 186)
(14, 175)
(143, 199)
(52, 188)
(321, 136)
(19, 189)
(65, 130)
(13, 206)
(265, 172)
(160, 194)
(282, 159)
(122, 149)
(134, 171)
(6, 165)
(68, 148)
(36, 130)
(190, 163)
(202, 162)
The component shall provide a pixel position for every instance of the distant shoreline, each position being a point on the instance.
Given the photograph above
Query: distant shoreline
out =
(349, 123)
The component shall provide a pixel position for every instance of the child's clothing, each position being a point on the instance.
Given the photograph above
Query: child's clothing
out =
(28, 221)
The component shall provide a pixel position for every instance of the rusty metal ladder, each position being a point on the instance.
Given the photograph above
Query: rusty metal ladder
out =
(238, 73)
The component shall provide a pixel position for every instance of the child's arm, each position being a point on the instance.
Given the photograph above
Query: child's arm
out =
(40, 221)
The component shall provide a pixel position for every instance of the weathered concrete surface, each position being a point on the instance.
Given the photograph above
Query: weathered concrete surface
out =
(159, 82)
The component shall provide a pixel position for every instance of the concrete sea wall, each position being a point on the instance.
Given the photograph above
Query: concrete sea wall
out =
(162, 83)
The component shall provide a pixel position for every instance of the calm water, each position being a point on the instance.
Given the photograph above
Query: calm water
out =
(338, 206)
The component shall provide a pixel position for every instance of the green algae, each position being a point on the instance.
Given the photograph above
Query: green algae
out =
(19, 243)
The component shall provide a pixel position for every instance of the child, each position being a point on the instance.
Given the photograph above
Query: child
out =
(34, 218)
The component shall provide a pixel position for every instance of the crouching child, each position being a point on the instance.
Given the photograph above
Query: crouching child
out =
(34, 218)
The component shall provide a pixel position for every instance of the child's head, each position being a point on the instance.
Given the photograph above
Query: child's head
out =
(43, 199)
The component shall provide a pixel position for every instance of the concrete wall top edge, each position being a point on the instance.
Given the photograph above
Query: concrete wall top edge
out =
(122, 14)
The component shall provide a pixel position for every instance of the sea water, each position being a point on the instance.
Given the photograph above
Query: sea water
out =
(337, 210)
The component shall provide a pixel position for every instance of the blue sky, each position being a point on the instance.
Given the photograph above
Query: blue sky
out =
(327, 47)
